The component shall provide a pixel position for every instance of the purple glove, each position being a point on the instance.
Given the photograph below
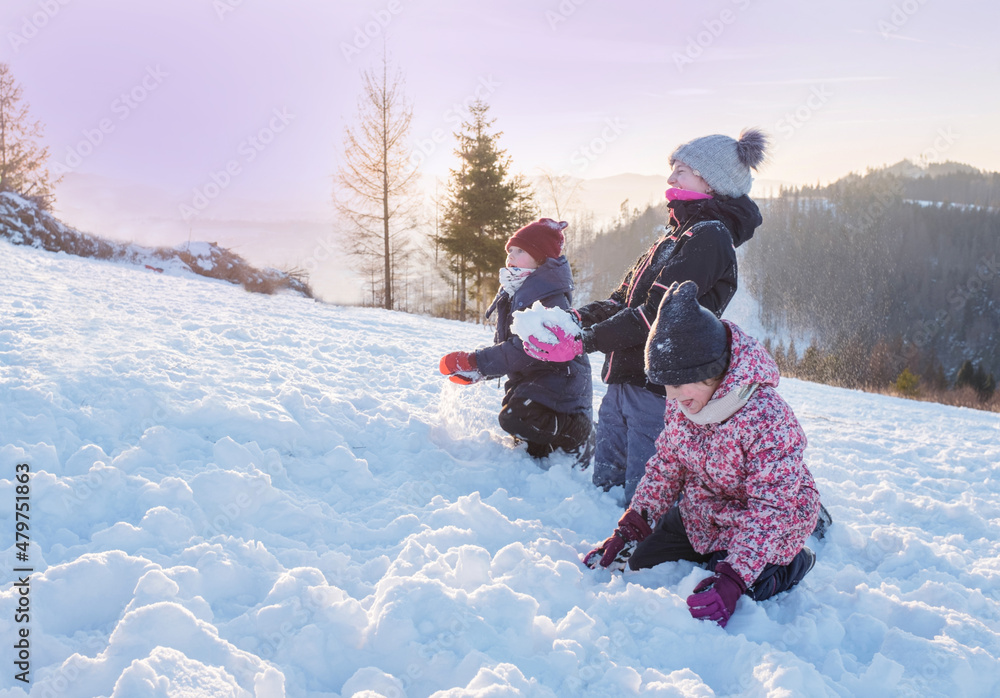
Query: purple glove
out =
(566, 348)
(715, 597)
(632, 529)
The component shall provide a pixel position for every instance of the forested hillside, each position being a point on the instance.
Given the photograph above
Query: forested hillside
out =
(600, 260)
(885, 271)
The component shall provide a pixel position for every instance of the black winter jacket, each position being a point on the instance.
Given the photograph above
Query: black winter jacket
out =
(565, 387)
(699, 245)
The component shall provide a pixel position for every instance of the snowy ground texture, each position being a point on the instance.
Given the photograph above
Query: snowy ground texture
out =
(242, 495)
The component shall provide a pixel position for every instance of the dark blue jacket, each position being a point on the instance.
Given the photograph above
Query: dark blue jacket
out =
(564, 387)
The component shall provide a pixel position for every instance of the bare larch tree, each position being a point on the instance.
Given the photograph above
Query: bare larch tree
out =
(376, 181)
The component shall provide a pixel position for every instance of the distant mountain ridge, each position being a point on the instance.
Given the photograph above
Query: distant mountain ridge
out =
(908, 168)
(945, 183)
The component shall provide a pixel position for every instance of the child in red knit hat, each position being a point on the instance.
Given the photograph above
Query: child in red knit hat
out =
(546, 404)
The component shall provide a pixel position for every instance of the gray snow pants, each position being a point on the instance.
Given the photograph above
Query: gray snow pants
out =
(628, 422)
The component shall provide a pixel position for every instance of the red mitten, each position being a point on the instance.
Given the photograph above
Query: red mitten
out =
(633, 526)
(632, 529)
(609, 549)
(460, 367)
(457, 361)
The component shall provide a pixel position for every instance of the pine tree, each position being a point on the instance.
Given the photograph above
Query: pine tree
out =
(815, 365)
(880, 364)
(989, 387)
(850, 360)
(780, 358)
(484, 207)
(23, 161)
(966, 374)
(792, 358)
(934, 375)
(978, 379)
(908, 383)
(376, 183)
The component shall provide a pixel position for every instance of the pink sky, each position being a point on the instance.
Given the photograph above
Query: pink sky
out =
(254, 96)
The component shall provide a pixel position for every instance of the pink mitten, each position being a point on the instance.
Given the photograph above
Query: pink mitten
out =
(566, 348)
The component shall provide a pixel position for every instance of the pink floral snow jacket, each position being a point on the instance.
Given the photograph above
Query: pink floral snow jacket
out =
(746, 488)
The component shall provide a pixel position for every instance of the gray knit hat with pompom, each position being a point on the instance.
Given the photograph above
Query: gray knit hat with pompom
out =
(725, 163)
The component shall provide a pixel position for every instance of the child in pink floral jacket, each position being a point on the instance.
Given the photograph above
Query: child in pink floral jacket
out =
(727, 486)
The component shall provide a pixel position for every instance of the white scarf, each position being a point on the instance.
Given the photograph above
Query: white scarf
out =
(511, 278)
(718, 410)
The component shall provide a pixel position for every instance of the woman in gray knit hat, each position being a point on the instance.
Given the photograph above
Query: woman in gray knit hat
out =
(711, 215)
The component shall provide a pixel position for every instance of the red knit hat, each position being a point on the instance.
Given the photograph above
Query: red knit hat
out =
(541, 239)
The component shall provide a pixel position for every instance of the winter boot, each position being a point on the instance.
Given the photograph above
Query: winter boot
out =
(778, 578)
(584, 453)
(539, 450)
(822, 523)
(577, 437)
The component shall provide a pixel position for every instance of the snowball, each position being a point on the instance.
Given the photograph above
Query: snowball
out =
(536, 321)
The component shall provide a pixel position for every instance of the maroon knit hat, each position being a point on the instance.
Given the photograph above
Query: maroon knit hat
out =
(541, 239)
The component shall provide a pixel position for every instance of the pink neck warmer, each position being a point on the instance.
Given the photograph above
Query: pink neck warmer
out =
(674, 194)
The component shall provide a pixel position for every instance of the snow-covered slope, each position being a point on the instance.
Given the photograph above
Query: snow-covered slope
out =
(22, 222)
(242, 495)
